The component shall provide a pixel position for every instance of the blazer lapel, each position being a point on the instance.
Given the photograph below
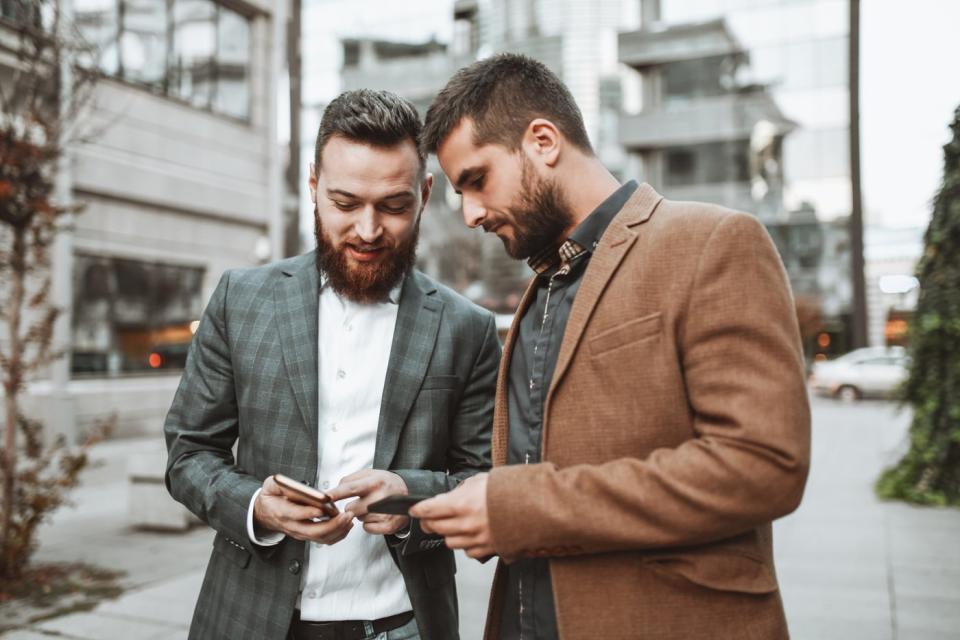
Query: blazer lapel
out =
(614, 244)
(297, 300)
(418, 320)
(501, 419)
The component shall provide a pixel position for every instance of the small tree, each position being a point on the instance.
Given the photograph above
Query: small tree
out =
(930, 471)
(38, 117)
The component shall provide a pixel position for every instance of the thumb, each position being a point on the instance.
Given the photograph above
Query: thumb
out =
(270, 487)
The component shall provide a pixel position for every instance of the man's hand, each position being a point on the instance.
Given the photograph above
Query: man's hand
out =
(272, 510)
(368, 486)
(460, 516)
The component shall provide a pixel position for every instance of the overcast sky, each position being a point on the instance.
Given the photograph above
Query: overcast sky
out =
(910, 84)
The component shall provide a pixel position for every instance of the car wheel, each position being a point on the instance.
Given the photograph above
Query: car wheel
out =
(848, 393)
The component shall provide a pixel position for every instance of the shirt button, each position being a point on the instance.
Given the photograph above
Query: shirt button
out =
(531, 384)
(333, 427)
(294, 567)
(325, 485)
(341, 374)
(311, 594)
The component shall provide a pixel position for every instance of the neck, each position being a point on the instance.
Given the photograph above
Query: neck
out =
(587, 185)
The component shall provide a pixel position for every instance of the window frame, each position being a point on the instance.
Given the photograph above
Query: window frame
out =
(165, 88)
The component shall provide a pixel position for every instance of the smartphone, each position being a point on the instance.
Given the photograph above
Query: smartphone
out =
(303, 494)
(397, 505)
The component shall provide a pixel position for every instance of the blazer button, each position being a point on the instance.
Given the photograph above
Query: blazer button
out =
(294, 567)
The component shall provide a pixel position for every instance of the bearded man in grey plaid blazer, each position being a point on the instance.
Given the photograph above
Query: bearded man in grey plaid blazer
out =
(349, 370)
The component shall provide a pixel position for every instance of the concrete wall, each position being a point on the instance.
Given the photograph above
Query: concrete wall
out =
(163, 181)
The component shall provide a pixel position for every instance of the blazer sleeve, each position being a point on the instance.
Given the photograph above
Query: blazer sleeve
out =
(202, 427)
(739, 346)
(468, 452)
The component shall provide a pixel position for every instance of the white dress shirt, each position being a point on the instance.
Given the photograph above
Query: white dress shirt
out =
(356, 578)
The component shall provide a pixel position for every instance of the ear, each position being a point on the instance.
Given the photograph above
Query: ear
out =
(312, 183)
(425, 190)
(542, 141)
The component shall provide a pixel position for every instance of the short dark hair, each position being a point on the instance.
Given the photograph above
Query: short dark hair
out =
(378, 118)
(502, 95)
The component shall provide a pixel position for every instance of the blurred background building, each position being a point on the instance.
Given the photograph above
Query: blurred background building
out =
(204, 122)
(179, 176)
(738, 102)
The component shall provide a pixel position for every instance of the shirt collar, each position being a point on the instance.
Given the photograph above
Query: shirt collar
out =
(393, 296)
(585, 236)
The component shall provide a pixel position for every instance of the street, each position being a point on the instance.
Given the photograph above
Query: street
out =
(850, 567)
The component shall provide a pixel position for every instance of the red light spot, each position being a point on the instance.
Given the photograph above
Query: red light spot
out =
(155, 360)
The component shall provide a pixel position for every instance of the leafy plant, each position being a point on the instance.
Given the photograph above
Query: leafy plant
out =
(930, 471)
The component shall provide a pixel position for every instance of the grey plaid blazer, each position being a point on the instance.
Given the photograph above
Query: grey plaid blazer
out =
(251, 382)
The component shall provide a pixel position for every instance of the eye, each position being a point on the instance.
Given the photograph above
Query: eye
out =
(478, 182)
(344, 206)
(395, 210)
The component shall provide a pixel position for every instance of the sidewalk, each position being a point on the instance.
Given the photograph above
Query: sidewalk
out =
(850, 567)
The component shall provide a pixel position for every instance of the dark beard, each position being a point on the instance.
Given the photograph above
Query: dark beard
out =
(364, 283)
(540, 218)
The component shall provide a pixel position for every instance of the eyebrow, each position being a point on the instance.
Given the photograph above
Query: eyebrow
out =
(347, 194)
(466, 175)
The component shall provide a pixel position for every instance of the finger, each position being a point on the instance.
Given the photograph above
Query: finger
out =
(285, 510)
(462, 542)
(480, 552)
(448, 527)
(358, 508)
(382, 527)
(349, 489)
(323, 532)
(337, 538)
(290, 510)
(270, 487)
(374, 517)
(437, 507)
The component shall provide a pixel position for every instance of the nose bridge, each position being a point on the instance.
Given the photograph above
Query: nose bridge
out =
(473, 211)
(368, 225)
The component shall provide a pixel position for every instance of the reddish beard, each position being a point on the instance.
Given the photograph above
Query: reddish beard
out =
(359, 281)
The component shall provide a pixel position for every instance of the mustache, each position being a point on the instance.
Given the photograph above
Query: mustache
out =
(366, 246)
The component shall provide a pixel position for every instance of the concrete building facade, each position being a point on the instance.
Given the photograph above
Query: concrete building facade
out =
(180, 179)
(746, 104)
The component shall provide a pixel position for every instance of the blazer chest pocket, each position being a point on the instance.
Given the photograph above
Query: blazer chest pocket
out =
(637, 330)
(440, 383)
(231, 550)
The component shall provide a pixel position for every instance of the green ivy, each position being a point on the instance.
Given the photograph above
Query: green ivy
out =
(929, 473)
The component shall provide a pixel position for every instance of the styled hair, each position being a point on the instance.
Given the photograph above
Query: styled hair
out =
(378, 118)
(502, 95)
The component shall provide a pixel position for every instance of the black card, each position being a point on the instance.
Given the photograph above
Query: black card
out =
(395, 505)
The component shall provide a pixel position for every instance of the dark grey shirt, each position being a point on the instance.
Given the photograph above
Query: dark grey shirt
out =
(528, 610)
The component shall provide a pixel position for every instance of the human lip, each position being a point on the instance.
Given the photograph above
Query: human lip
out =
(365, 254)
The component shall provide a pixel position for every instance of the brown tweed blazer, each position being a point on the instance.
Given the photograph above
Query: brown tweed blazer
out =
(676, 429)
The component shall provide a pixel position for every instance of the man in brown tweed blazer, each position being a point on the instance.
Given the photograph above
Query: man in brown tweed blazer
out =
(651, 416)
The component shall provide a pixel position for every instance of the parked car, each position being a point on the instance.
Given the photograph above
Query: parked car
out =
(869, 372)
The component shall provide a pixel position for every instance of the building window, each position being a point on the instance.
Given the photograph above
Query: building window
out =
(194, 50)
(701, 78)
(21, 12)
(710, 163)
(132, 316)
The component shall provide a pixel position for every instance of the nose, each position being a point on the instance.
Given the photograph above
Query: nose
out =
(473, 212)
(368, 226)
